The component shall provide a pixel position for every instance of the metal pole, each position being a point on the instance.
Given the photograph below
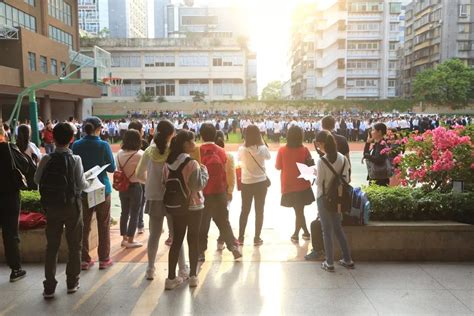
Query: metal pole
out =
(34, 118)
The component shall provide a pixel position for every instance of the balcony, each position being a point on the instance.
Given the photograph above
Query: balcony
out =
(364, 35)
(392, 55)
(363, 54)
(363, 73)
(393, 73)
(364, 17)
(394, 36)
(362, 92)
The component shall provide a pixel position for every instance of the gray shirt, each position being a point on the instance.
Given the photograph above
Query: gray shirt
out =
(81, 182)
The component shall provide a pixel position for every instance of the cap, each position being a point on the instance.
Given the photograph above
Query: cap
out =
(94, 120)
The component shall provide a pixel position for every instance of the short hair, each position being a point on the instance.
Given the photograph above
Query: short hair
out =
(381, 127)
(136, 125)
(294, 137)
(328, 122)
(132, 140)
(208, 132)
(63, 134)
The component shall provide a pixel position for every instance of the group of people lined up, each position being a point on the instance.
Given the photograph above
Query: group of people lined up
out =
(208, 176)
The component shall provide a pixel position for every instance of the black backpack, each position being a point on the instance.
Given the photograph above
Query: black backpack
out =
(57, 185)
(338, 196)
(176, 197)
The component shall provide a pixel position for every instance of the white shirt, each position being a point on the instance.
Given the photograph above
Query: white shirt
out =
(325, 174)
(40, 126)
(252, 170)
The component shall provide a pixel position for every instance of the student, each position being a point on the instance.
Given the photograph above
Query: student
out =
(215, 193)
(152, 163)
(61, 199)
(296, 193)
(47, 136)
(331, 221)
(252, 156)
(95, 152)
(373, 154)
(25, 145)
(195, 179)
(328, 123)
(131, 200)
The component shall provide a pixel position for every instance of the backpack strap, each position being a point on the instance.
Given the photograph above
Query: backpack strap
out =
(337, 175)
(126, 162)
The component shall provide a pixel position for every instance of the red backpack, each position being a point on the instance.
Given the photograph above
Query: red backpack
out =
(216, 168)
(121, 181)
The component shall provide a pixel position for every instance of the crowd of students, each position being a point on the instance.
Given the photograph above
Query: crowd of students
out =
(147, 169)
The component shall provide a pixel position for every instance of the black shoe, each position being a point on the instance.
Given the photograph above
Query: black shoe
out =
(201, 257)
(73, 289)
(48, 293)
(17, 275)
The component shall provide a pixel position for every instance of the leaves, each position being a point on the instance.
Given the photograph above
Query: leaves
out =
(272, 91)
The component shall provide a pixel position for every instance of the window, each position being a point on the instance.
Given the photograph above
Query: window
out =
(60, 36)
(199, 20)
(30, 2)
(127, 61)
(54, 67)
(13, 17)
(195, 60)
(394, 27)
(464, 10)
(63, 68)
(392, 46)
(227, 60)
(464, 46)
(43, 64)
(395, 8)
(159, 61)
(160, 87)
(32, 61)
(228, 87)
(191, 87)
(464, 28)
(392, 83)
(217, 62)
(60, 10)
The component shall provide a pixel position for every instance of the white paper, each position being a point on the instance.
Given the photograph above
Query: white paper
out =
(95, 185)
(95, 193)
(95, 171)
(306, 173)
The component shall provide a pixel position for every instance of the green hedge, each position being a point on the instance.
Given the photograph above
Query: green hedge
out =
(30, 201)
(408, 204)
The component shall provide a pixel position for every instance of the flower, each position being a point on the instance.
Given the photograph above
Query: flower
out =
(397, 160)
(418, 138)
(384, 151)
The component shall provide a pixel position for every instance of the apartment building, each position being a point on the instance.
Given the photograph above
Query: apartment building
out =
(37, 39)
(436, 30)
(128, 18)
(346, 49)
(179, 68)
(93, 16)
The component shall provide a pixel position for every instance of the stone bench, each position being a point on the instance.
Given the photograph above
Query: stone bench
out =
(410, 241)
(33, 244)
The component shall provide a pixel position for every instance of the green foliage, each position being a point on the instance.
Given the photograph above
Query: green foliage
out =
(30, 201)
(272, 91)
(408, 204)
(161, 99)
(199, 96)
(144, 96)
(451, 82)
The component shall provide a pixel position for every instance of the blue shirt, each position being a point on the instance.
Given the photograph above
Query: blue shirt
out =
(95, 152)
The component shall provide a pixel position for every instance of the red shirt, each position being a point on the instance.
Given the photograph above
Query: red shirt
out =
(48, 136)
(215, 182)
(286, 162)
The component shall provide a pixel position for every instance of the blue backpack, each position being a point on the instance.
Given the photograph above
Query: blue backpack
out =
(360, 210)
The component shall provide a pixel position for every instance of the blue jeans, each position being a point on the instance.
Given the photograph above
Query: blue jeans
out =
(131, 201)
(331, 224)
(49, 148)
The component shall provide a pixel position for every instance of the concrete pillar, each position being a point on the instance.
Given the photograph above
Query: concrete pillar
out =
(45, 108)
(78, 110)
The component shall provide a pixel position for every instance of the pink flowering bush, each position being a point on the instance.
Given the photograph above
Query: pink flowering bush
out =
(435, 158)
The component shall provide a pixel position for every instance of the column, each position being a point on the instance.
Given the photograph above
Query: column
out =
(78, 110)
(45, 108)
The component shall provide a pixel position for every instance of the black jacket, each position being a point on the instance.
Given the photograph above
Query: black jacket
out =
(6, 173)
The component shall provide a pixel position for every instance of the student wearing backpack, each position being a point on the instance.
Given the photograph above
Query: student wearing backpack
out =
(330, 219)
(215, 193)
(184, 181)
(378, 163)
(95, 152)
(255, 183)
(130, 192)
(61, 180)
(296, 193)
(151, 163)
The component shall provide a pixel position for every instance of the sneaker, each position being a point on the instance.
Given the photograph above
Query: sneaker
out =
(48, 294)
(134, 244)
(86, 265)
(257, 242)
(314, 256)
(237, 254)
(220, 245)
(202, 257)
(105, 264)
(172, 284)
(169, 241)
(73, 289)
(306, 237)
(17, 275)
(123, 243)
(327, 267)
(295, 238)
(184, 273)
(348, 265)
(141, 231)
(150, 274)
(193, 281)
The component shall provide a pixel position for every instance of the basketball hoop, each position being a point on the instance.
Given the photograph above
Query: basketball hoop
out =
(115, 84)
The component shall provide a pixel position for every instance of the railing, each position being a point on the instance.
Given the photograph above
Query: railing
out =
(364, 35)
(363, 72)
(363, 54)
(362, 92)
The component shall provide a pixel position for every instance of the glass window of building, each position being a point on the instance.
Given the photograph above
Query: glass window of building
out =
(228, 87)
(32, 61)
(126, 61)
(60, 10)
(63, 69)
(54, 67)
(395, 7)
(43, 64)
(191, 87)
(13, 17)
(194, 60)
(60, 36)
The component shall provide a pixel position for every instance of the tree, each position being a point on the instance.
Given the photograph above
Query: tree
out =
(199, 96)
(451, 82)
(144, 96)
(104, 33)
(272, 91)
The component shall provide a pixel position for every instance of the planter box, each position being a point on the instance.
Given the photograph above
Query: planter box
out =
(410, 241)
(33, 244)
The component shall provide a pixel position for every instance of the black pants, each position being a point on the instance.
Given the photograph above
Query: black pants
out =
(215, 208)
(69, 216)
(192, 223)
(250, 192)
(382, 182)
(9, 218)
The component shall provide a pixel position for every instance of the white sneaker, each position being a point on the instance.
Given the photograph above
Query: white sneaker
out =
(172, 284)
(150, 274)
(193, 281)
(184, 273)
(220, 246)
(134, 244)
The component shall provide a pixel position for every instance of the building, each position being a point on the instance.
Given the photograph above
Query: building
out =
(159, 13)
(436, 30)
(36, 41)
(128, 18)
(93, 16)
(178, 68)
(347, 49)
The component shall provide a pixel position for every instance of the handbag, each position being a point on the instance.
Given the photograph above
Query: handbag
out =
(268, 183)
(379, 172)
(19, 179)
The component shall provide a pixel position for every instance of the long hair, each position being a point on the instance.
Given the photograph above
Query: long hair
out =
(294, 137)
(177, 145)
(252, 136)
(163, 131)
(23, 139)
(220, 139)
(330, 146)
